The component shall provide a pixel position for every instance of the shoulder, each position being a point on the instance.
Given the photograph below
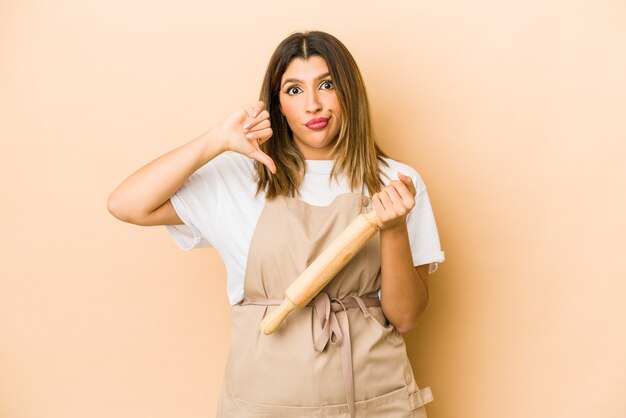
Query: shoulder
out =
(394, 166)
(228, 168)
(231, 161)
(229, 172)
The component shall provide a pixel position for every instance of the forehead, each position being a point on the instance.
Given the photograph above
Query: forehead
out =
(305, 69)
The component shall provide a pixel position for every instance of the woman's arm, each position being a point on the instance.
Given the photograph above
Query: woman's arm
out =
(143, 198)
(404, 291)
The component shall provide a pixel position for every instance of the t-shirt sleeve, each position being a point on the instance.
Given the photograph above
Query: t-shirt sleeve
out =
(421, 226)
(196, 205)
(423, 233)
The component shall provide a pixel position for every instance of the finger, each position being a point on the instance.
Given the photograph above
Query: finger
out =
(378, 207)
(386, 201)
(251, 112)
(258, 107)
(253, 109)
(252, 127)
(407, 199)
(252, 121)
(409, 183)
(260, 135)
(395, 197)
(264, 159)
(397, 205)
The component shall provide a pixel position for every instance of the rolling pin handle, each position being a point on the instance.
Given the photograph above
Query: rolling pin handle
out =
(371, 218)
(272, 321)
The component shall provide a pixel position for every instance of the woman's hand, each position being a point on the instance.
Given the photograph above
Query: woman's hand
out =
(404, 294)
(245, 129)
(394, 202)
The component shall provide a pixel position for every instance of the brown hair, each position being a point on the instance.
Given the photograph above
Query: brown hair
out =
(355, 152)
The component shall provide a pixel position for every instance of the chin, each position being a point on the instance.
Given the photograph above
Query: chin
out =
(316, 142)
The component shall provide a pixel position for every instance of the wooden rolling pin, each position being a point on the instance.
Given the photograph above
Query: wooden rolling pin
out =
(321, 271)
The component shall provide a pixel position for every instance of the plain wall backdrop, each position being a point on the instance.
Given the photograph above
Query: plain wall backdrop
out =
(513, 112)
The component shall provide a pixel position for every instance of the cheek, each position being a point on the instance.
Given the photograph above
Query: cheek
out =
(288, 109)
(333, 103)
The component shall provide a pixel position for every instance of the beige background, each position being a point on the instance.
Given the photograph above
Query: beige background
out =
(513, 112)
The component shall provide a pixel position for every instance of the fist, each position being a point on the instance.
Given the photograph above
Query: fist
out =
(244, 130)
(394, 202)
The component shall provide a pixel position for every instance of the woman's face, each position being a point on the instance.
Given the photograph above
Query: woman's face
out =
(309, 102)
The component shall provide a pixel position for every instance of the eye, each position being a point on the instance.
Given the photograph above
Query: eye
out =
(327, 85)
(293, 90)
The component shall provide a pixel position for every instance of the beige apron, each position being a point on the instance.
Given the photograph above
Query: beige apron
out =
(338, 357)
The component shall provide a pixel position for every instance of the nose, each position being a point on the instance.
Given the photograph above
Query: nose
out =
(313, 103)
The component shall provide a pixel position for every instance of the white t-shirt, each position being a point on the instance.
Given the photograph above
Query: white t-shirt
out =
(219, 209)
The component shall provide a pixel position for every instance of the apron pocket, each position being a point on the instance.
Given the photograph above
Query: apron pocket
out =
(379, 320)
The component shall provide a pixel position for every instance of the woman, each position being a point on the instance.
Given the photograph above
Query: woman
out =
(269, 188)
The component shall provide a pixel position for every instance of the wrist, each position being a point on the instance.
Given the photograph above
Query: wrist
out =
(399, 228)
(214, 143)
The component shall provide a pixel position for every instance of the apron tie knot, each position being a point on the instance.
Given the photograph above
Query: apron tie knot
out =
(338, 333)
(333, 331)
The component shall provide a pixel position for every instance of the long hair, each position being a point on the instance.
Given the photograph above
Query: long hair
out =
(355, 152)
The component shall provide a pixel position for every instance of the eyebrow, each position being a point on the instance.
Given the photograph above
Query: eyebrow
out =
(295, 80)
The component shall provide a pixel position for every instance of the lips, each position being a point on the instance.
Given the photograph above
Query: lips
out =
(317, 123)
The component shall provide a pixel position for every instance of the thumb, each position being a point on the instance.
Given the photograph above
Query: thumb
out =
(264, 159)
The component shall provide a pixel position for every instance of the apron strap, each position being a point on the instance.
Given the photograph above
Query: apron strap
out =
(333, 331)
